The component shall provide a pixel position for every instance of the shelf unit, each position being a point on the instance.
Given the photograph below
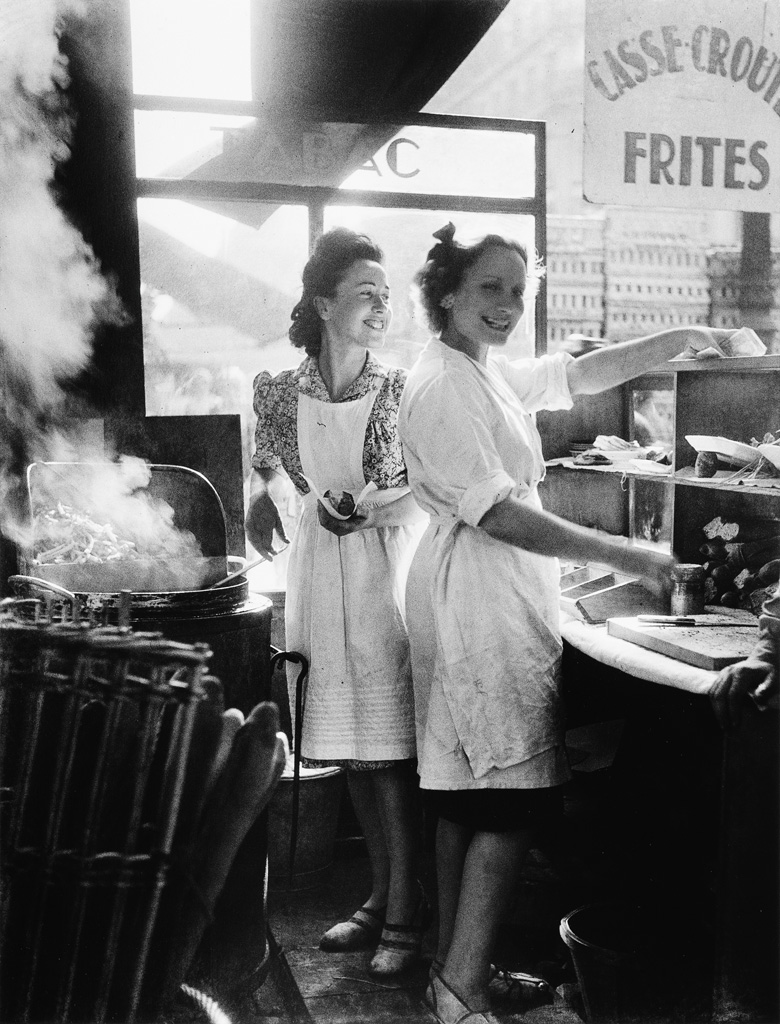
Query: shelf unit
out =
(736, 398)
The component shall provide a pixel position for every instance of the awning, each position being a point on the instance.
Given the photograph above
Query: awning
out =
(361, 58)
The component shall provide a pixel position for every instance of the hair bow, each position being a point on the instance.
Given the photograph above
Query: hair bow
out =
(446, 236)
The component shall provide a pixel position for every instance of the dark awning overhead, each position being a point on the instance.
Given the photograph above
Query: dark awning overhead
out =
(361, 58)
(338, 59)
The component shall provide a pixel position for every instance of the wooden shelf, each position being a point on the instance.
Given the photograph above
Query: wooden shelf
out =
(764, 485)
(768, 485)
(735, 398)
(755, 364)
(616, 469)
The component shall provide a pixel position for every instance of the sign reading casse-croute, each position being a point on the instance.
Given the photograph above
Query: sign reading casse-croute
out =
(682, 104)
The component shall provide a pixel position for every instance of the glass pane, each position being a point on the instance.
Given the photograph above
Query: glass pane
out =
(199, 49)
(651, 512)
(405, 236)
(219, 282)
(177, 145)
(653, 413)
(382, 158)
(451, 161)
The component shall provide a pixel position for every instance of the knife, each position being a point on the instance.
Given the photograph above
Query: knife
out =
(672, 620)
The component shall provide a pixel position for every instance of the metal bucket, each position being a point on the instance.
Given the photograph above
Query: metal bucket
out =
(321, 792)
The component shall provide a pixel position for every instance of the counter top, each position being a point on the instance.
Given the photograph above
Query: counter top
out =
(632, 659)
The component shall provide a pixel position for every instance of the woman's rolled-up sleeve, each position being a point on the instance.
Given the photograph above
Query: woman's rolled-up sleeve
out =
(539, 383)
(451, 449)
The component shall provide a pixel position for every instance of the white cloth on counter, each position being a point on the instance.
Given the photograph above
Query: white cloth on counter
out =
(634, 660)
(482, 615)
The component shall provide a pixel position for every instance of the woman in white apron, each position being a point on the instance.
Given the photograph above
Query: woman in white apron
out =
(482, 597)
(331, 425)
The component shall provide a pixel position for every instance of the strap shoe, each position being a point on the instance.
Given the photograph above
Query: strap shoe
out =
(361, 931)
(401, 944)
(448, 1008)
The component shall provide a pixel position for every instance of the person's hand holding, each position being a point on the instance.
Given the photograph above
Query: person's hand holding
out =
(340, 527)
(262, 519)
(731, 687)
(653, 565)
(705, 342)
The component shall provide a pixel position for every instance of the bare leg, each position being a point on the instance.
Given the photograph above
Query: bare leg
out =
(452, 844)
(490, 873)
(362, 792)
(397, 802)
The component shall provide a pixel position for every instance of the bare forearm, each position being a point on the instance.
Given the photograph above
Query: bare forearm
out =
(614, 364)
(260, 479)
(522, 526)
(403, 512)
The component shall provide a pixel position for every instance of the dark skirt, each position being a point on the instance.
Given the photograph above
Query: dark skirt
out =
(496, 810)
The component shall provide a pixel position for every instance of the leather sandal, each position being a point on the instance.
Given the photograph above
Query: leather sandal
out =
(401, 944)
(448, 1008)
(361, 931)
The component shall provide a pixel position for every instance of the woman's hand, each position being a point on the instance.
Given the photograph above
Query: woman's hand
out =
(705, 342)
(262, 518)
(340, 527)
(653, 565)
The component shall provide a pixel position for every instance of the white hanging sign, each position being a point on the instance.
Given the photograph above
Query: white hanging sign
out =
(682, 104)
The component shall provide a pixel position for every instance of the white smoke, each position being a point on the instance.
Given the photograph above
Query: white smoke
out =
(52, 292)
(99, 525)
(53, 295)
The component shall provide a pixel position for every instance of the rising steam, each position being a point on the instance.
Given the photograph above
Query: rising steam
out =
(52, 297)
(52, 293)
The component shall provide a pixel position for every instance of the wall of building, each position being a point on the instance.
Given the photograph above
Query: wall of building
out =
(612, 271)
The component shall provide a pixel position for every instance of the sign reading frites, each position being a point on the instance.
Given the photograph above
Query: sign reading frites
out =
(682, 104)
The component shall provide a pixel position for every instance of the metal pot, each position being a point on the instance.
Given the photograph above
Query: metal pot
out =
(142, 605)
(141, 575)
(158, 587)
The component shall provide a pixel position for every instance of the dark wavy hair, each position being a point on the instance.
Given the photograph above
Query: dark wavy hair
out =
(445, 265)
(333, 255)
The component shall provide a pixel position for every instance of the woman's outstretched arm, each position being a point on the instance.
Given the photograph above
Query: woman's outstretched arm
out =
(614, 364)
(521, 525)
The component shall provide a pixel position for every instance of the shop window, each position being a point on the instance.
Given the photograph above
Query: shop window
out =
(222, 245)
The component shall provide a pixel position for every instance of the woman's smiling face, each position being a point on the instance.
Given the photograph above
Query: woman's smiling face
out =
(360, 310)
(489, 301)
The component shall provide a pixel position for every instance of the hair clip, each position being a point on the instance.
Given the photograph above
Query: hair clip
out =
(446, 236)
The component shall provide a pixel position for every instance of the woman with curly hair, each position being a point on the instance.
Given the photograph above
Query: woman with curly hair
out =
(331, 425)
(483, 590)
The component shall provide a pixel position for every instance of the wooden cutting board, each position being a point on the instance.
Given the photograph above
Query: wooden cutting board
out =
(724, 640)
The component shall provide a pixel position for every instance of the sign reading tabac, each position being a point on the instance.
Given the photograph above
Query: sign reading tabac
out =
(682, 104)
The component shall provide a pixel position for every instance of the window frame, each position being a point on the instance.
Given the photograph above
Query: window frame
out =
(317, 198)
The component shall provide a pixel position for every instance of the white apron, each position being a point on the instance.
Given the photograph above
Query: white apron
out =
(344, 608)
